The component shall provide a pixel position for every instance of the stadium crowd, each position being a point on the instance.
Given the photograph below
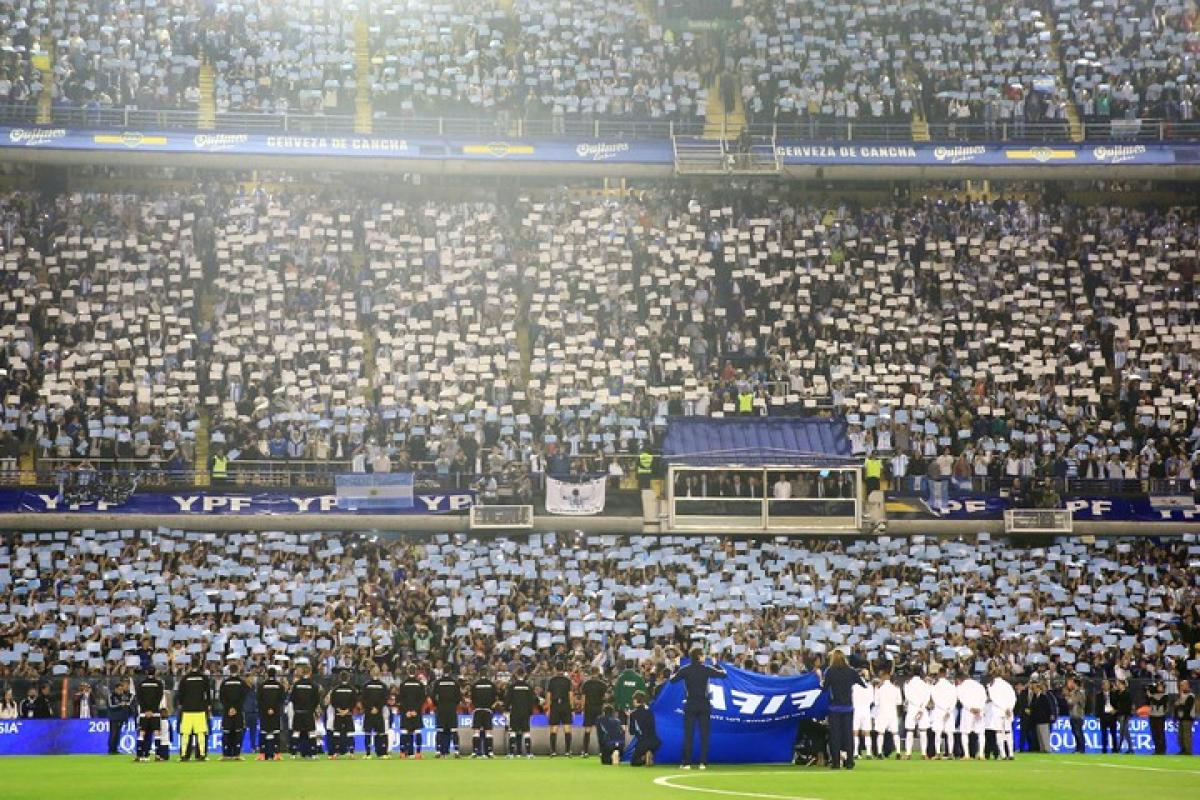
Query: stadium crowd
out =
(91, 607)
(976, 61)
(961, 340)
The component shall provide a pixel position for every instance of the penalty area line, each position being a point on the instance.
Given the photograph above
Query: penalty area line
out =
(665, 780)
(1134, 767)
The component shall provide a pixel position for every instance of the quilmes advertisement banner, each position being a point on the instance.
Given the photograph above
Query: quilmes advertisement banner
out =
(20, 501)
(658, 152)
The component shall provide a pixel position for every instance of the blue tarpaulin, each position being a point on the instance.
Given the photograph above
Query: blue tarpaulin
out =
(754, 717)
(757, 441)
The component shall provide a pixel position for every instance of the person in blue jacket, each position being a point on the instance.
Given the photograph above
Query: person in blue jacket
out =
(641, 726)
(611, 736)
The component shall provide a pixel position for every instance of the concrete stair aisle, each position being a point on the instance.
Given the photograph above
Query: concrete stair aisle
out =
(1074, 123)
(203, 446)
(718, 124)
(206, 108)
(920, 128)
(43, 62)
(364, 113)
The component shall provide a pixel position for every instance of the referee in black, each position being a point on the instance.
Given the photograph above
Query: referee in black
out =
(697, 709)
(839, 680)
(519, 700)
(483, 700)
(446, 694)
(594, 690)
(232, 693)
(305, 699)
(375, 714)
(270, 711)
(149, 700)
(412, 696)
(342, 699)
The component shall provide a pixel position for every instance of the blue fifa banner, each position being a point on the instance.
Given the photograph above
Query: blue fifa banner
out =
(20, 501)
(754, 717)
(46, 737)
(378, 491)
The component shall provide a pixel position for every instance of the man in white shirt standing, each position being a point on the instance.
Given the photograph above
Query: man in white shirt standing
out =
(886, 713)
(917, 714)
(972, 697)
(998, 715)
(862, 696)
(782, 490)
(944, 697)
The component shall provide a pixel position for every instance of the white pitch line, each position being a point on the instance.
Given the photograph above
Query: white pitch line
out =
(1131, 766)
(665, 780)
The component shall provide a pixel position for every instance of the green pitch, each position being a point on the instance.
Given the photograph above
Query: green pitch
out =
(1035, 777)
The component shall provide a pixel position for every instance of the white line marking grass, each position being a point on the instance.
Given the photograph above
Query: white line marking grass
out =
(1131, 766)
(665, 780)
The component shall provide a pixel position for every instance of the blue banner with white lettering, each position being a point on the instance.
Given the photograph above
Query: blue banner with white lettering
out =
(21, 501)
(754, 717)
(46, 737)
(656, 152)
(1134, 508)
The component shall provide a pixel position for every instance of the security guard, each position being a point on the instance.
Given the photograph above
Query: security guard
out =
(446, 694)
(194, 698)
(873, 472)
(305, 699)
(342, 699)
(220, 467)
(483, 699)
(376, 714)
(745, 401)
(519, 700)
(150, 694)
(645, 467)
(412, 707)
(270, 709)
(232, 694)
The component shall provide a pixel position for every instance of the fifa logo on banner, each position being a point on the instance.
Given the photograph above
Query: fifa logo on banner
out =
(750, 704)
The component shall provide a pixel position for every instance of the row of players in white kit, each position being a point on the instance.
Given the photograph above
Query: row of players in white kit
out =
(932, 707)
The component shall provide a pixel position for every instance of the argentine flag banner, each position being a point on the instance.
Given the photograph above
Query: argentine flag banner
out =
(755, 717)
(380, 491)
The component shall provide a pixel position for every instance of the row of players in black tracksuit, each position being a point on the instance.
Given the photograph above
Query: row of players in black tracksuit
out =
(412, 698)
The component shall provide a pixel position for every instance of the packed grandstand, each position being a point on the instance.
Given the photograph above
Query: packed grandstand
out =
(673, 334)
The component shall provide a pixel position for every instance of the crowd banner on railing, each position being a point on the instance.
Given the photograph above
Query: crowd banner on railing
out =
(19, 501)
(656, 151)
(376, 491)
(575, 498)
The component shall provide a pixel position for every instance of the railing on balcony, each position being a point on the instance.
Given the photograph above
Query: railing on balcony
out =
(501, 127)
